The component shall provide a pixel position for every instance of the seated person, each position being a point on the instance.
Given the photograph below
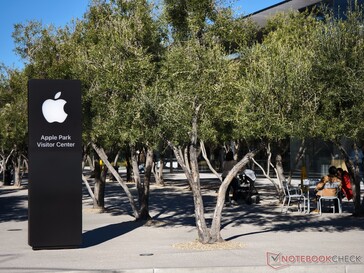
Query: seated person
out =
(329, 185)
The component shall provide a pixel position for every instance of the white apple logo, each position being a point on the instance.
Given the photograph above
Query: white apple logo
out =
(53, 109)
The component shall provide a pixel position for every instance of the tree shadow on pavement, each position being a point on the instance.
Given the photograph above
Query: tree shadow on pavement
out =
(13, 206)
(267, 217)
(278, 222)
(172, 205)
(103, 234)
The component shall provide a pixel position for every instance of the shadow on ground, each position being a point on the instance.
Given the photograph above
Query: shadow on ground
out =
(13, 204)
(103, 234)
(172, 205)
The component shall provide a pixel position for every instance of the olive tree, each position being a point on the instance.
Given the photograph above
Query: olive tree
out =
(339, 75)
(117, 47)
(196, 87)
(13, 123)
(278, 79)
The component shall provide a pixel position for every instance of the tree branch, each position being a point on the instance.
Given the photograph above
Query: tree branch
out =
(204, 155)
(101, 153)
(266, 175)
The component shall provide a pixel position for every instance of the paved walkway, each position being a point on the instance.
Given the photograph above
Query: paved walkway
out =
(113, 242)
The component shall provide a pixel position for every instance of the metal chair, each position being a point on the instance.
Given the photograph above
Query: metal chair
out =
(330, 198)
(293, 194)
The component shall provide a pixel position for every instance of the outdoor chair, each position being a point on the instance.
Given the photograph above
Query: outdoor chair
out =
(330, 198)
(293, 194)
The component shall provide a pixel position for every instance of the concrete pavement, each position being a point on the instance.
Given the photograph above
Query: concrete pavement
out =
(262, 238)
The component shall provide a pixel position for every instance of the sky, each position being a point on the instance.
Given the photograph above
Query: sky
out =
(61, 12)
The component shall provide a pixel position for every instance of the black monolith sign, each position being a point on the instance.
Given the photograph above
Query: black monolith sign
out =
(55, 158)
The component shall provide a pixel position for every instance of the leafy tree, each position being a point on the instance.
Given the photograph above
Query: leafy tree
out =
(277, 78)
(309, 73)
(195, 87)
(117, 47)
(339, 75)
(46, 50)
(13, 121)
(114, 77)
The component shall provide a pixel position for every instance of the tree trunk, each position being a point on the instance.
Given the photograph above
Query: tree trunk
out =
(204, 154)
(129, 168)
(215, 231)
(158, 172)
(189, 164)
(25, 166)
(280, 175)
(171, 164)
(194, 183)
(278, 190)
(99, 187)
(16, 168)
(278, 186)
(2, 169)
(145, 189)
(101, 153)
(280, 170)
(7, 174)
(135, 167)
(90, 162)
(84, 179)
(266, 173)
(142, 185)
(299, 156)
(203, 231)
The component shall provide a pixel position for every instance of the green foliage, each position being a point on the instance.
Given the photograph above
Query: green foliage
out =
(278, 77)
(188, 18)
(46, 50)
(339, 75)
(196, 70)
(193, 74)
(13, 115)
(117, 45)
(304, 80)
(233, 34)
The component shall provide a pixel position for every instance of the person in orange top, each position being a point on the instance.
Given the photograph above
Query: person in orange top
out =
(346, 184)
